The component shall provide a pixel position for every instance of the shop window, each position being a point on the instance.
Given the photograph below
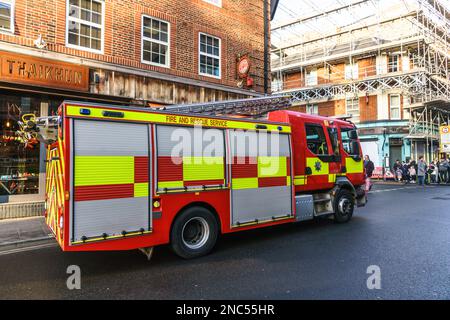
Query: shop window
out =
(155, 41)
(85, 24)
(20, 166)
(312, 109)
(316, 139)
(7, 15)
(394, 102)
(352, 106)
(209, 56)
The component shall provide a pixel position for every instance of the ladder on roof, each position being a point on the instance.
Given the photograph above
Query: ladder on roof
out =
(247, 107)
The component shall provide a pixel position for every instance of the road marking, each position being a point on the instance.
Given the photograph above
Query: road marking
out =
(401, 188)
(31, 248)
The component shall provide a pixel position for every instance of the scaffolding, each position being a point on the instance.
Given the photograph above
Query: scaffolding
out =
(350, 30)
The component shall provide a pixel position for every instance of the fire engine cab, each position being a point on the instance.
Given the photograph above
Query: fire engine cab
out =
(122, 178)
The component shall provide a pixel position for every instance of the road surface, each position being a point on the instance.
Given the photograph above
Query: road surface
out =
(405, 231)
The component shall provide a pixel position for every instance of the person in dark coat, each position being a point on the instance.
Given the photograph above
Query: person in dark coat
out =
(368, 169)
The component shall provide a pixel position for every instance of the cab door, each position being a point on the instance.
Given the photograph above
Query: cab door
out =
(336, 161)
(320, 166)
(352, 159)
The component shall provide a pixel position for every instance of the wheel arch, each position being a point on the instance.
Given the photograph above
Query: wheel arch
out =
(344, 183)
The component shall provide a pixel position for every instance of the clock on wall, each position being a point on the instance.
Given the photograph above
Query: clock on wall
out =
(243, 66)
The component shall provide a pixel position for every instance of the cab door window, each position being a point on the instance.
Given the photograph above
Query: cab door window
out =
(333, 133)
(350, 145)
(316, 139)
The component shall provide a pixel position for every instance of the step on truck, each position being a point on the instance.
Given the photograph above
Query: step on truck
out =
(121, 178)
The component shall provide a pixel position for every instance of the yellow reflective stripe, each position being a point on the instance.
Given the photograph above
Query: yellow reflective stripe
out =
(300, 180)
(173, 119)
(332, 177)
(103, 170)
(288, 181)
(170, 184)
(203, 168)
(317, 166)
(272, 167)
(353, 166)
(244, 183)
(61, 154)
(141, 190)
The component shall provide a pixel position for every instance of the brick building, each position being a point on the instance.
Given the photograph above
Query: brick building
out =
(385, 63)
(142, 52)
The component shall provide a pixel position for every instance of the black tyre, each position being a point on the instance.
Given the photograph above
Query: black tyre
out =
(194, 233)
(344, 204)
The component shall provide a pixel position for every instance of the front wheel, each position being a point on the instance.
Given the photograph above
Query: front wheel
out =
(194, 233)
(344, 204)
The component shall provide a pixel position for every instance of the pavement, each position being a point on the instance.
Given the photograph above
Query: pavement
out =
(403, 230)
(22, 232)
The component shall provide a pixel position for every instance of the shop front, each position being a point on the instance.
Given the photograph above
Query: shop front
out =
(29, 86)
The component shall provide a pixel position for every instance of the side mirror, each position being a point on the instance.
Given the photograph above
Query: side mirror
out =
(353, 134)
(355, 149)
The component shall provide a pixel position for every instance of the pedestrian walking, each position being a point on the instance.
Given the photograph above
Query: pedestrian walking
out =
(443, 170)
(399, 174)
(421, 171)
(412, 171)
(448, 172)
(396, 168)
(405, 173)
(434, 171)
(368, 169)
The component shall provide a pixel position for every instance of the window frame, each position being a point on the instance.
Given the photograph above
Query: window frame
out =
(359, 108)
(351, 69)
(12, 3)
(325, 133)
(143, 38)
(209, 55)
(308, 77)
(217, 3)
(351, 153)
(399, 107)
(91, 24)
(313, 106)
(397, 63)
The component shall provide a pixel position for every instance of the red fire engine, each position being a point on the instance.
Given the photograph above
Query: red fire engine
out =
(122, 178)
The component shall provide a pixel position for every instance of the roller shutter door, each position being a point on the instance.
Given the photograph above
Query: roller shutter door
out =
(111, 180)
(260, 176)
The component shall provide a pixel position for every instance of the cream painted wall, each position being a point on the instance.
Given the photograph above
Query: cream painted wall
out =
(382, 106)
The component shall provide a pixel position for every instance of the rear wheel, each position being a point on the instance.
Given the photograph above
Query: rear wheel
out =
(344, 204)
(194, 233)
